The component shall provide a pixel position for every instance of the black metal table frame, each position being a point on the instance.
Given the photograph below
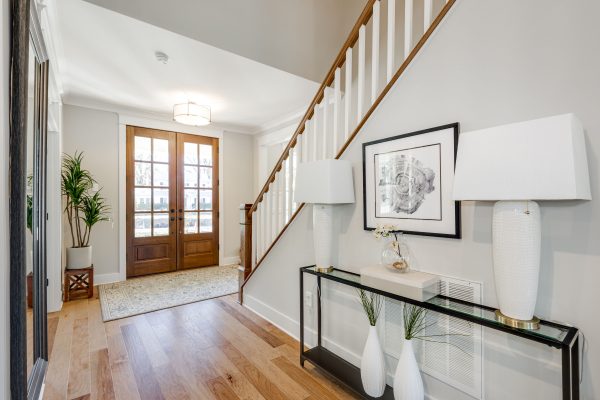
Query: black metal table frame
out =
(569, 346)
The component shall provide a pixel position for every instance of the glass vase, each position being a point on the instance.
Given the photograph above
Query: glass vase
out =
(395, 254)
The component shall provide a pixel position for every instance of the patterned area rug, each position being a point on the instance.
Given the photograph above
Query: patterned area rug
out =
(156, 292)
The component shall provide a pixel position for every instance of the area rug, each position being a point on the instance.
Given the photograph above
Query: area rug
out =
(156, 292)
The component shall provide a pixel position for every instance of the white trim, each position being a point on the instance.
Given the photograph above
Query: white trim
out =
(125, 120)
(103, 279)
(231, 260)
(280, 122)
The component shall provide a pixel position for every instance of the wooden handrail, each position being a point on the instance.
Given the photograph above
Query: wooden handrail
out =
(339, 61)
(356, 130)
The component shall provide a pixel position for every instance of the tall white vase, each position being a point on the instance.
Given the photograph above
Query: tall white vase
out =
(517, 236)
(408, 384)
(372, 365)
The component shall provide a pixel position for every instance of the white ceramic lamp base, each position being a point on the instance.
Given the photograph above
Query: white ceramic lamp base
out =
(516, 230)
(323, 236)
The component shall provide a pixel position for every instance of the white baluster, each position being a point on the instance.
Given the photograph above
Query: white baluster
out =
(263, 226)
(361, 72)
(428, 9)
(314, 133)
(283, 194)
(304, 138)
(337, 98)
(254, 230)
(294, 167)
(290, 183)
(408, 18)
(324, 127)
(375, 51)
(269, 217)
(391, 38)
(348, 93)
(276, 206)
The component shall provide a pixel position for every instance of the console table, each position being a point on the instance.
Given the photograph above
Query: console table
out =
(562, 337)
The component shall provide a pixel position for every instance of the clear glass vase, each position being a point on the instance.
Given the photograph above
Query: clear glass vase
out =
(395, 254)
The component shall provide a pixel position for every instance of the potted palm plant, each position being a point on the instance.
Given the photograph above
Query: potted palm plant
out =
(84, 208)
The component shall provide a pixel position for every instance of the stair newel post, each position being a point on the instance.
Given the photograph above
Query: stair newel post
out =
(245, 267)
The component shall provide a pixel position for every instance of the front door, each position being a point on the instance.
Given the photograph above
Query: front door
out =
(172, 201)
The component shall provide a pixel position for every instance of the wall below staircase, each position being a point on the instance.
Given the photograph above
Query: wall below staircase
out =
(490, 63)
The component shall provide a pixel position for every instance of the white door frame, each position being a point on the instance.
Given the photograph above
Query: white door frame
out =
(172, 126)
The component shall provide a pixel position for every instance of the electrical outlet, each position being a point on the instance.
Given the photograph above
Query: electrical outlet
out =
(308, 300)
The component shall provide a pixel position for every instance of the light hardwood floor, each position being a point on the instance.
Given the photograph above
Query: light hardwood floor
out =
(213, 349)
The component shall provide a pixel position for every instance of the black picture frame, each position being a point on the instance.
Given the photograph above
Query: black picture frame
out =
(456, 234)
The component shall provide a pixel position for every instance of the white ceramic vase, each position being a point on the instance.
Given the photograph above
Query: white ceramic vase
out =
(372, 365)
(79, 257)
(408, 384)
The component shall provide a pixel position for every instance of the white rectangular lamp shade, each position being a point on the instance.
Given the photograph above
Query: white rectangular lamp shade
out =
(542, 159)
(324, 182)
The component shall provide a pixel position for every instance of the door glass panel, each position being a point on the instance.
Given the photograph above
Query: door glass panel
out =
(142, 173)
(161, 150)
(206, 154)
(142, 199)
(206, 177)
(142, 148)
(205, 222)
(190, 199)
(206, 199)
(161, 224)
(142, 225)
(190, 153)
(190, 222)
(161, 175)
(190, 176)
(161, 200)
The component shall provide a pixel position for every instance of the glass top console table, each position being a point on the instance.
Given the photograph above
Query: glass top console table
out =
(562, 337)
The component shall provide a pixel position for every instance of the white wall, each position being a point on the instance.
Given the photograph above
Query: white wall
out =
(4, 242)
(489, 63)
(238, 159)
(96, 134)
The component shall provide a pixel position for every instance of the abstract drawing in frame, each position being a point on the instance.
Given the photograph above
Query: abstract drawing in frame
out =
(408, 182)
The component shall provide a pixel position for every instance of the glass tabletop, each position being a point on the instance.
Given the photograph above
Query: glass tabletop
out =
(548, 332)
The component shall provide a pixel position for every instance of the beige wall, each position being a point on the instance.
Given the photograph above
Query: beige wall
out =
(237, 177)
(490, 63)
(96, 134)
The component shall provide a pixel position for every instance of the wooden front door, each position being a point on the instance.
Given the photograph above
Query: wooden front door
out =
(198, 201)
(172, 201)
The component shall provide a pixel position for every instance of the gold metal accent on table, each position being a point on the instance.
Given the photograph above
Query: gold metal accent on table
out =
(532, 324)
(324, 270)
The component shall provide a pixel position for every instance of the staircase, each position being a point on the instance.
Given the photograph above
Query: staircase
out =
(367, 66)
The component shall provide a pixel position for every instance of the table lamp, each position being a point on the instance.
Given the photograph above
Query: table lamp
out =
(515, 164)
(324, 183)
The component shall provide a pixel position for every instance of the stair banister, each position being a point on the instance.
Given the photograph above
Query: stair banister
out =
(274, 210)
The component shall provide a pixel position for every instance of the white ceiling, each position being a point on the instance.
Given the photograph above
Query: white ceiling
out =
(298, 36)
(106, 60)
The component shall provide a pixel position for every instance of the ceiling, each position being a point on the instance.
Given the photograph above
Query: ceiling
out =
(301, 37)
(106, 60)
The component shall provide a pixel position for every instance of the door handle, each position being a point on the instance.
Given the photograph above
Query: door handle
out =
(172, 210)
(181, 218)
(172, 218)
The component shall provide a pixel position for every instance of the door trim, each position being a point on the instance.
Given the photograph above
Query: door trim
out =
(125, 120)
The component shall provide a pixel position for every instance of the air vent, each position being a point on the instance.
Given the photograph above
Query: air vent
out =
(455, 359)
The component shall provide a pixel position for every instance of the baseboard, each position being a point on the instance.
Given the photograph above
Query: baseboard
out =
(102, 279)
(231, 260)
(292, 328)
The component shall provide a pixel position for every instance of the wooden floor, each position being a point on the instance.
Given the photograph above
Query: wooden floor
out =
(213, 349)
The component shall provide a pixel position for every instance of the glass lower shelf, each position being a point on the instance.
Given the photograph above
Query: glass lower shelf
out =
(550, 333)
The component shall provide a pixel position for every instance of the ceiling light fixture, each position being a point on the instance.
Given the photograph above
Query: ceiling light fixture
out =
(191, 114)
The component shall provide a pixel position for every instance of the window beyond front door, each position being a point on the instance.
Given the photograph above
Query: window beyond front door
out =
(172, 201)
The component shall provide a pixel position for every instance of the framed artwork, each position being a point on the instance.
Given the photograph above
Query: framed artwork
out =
(408, 181)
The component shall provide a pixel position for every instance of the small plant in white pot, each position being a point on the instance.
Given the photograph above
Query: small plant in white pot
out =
(408, 384)
(372, 363)
(84, 208)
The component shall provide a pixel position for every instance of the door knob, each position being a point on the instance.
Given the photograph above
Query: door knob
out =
(172, 210)
(172, 218)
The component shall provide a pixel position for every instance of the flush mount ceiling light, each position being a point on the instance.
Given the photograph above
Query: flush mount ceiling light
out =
(191, 114)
